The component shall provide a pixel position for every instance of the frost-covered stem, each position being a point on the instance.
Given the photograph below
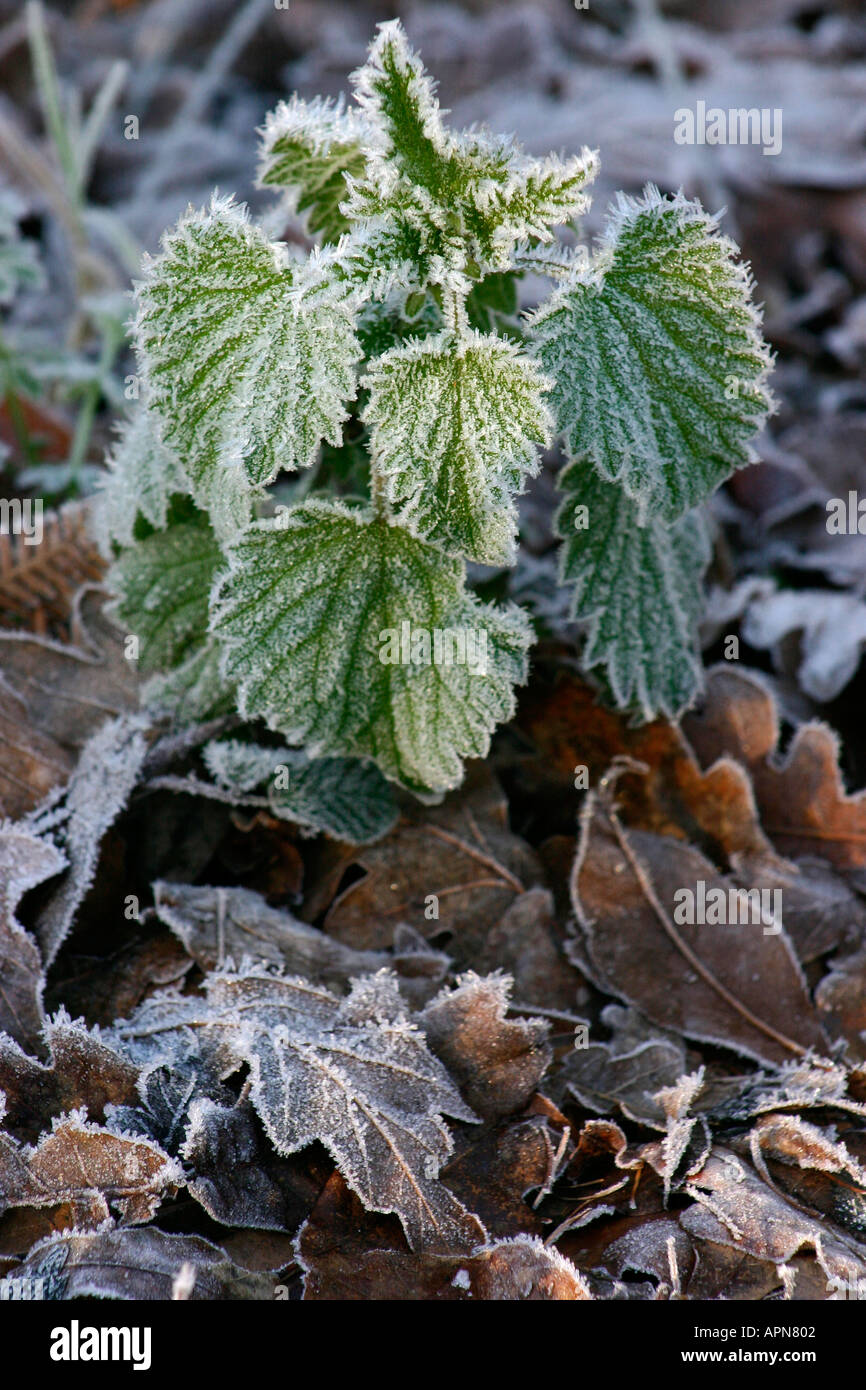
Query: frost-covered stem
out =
(454, 310)
(378, 492)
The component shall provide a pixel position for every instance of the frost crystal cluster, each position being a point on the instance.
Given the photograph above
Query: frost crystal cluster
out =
(391, 364)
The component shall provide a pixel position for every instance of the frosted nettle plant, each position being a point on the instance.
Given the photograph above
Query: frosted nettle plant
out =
(390, 362)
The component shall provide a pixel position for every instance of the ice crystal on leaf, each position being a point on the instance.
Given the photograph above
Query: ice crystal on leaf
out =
(472, 190)
(638, 590)
(164, 585)
(659, 365)
(308, 149)
(142, 476)
(354, 1073)
(455, 423)
(246, 379)
(311, 617)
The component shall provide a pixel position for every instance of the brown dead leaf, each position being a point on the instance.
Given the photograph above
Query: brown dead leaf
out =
(712, 805)
(53, 697)
(107, 987)
(841, 999)
(38, 582)
(140, 1264)
(812, 1167)
(734, 1207)
(239, 1180)
(496, 1175)
(25, 862)
(454, 867)
(347, 1255)
(528, 942)
(804, 806)
(215, 924)
(82, 1070)
(496, 1062)
(89, 1167)
(732, 985)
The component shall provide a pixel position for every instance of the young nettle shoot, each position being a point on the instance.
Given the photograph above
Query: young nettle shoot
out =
(392, 363)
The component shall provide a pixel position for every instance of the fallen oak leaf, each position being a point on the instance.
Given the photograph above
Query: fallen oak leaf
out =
(54, 696)
(497, 1062)
(89, 1167)
(82, 1070)
(712, 803)
(803, 802)
(688, 978)
(354, 1073)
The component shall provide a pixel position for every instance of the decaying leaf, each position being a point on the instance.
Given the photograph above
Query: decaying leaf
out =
(734, 1207)
(607, 1076)
(25, 861)
(217, 924)
(38, 582)
(736, 984)
(91, 1168)
(238, 1179)
(497, 1063)
(82, 1070)
(107, 771)
(354, 1073)
(455, 868)
(805, 808)
(710, 803)
(139, 1264)
(346, 1256)
(54, 696)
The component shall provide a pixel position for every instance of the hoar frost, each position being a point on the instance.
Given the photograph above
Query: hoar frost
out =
(391, 360)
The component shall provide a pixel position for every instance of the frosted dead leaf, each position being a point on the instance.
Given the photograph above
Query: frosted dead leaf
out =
(89, 1167)
(354, 1073)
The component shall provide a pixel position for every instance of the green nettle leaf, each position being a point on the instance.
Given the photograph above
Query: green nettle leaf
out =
(655, 348)
(455, 423)
(637, 589)
(143, 474)
(246, 379)
(349, 635)
(194, 691)
(346, 798)
(465, 197)
(537, 195)
(403, 239)
(164, 584)
(308, 148)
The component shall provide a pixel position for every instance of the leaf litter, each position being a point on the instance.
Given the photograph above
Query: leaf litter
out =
(470, 1054)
